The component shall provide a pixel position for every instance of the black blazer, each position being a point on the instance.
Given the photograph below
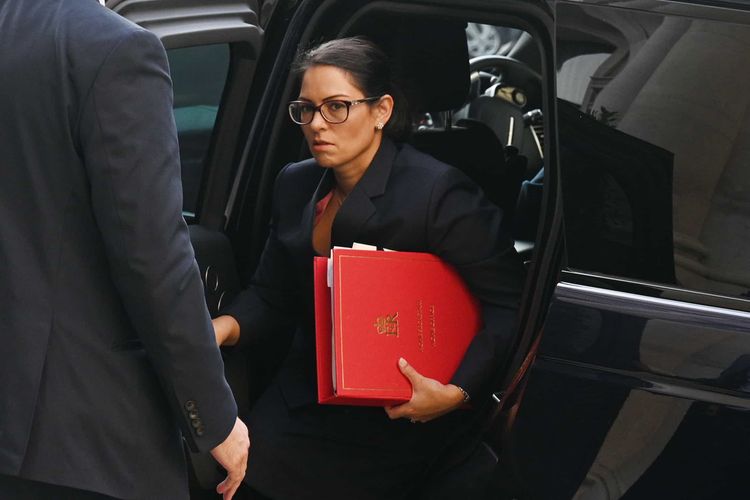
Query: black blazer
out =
(106, 340)
(407, 201)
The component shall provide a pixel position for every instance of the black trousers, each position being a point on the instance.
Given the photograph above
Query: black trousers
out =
(17, 488)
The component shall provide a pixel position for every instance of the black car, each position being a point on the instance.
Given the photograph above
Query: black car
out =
(615, 135)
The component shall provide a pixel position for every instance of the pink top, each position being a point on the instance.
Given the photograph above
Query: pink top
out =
(321, 206)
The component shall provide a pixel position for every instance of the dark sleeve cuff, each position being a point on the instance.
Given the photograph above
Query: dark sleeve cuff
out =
(208, 423)
(258, 317)
(488, 353)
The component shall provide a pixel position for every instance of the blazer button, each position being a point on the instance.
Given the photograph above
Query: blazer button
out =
(199, 431)
(193, 414)
(197, 422)
(190, 405)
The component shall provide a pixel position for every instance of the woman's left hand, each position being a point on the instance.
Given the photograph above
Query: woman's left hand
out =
(430, 399)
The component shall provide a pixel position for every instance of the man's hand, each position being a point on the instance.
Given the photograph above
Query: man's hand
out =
(232, 455)
(226, 330)
(429, 399)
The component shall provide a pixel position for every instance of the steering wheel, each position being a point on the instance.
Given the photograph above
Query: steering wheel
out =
(490, 69)
(518, 94)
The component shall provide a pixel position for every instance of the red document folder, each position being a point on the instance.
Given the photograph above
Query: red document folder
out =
(383, 306)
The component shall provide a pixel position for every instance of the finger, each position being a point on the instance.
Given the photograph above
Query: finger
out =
(223, 486)
(234, 477)
(228, 486)
(409, 371)
(399, 411)
(229, 494)
(392, 412)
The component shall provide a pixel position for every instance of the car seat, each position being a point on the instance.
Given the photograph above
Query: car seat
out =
(431, 62)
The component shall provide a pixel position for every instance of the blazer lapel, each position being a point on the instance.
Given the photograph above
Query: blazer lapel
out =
(358, 207)
(308, 213)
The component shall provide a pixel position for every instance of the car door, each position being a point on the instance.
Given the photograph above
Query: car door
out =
(640, 389)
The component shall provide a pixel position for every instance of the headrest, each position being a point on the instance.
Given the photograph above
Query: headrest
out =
(430, 56)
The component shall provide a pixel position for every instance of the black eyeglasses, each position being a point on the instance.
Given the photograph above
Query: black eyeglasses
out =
(333, 111)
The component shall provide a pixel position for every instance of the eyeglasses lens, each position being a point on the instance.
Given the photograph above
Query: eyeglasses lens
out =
(335, 111)
(301, 112)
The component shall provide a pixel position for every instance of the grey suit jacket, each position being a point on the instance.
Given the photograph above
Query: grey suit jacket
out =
(106, 341)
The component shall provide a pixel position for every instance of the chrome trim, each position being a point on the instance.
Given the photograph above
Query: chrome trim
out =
(523, 245)
(510, 130)
(205, 276)
(212, 277)
(653, 307)
(648, 382)
(536, 141)
(661, 286)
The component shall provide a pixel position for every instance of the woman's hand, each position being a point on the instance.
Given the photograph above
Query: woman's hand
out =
(226, 329)
(430, 399)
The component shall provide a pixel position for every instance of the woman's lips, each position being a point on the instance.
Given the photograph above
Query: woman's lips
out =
(321, 145)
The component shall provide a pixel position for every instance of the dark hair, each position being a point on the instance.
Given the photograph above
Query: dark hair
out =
(371, 71)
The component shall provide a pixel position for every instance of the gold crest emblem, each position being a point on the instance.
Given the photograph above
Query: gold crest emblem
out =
(387, 325)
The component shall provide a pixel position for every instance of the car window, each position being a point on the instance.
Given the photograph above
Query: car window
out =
(486, 39)
(199, 75)
(654, 120)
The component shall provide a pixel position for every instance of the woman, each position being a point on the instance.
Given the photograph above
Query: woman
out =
(363, 186)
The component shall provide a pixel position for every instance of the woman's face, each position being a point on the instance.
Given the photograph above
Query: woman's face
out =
(353, 142)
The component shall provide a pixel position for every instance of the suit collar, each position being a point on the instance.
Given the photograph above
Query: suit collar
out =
(376, 176)
(358, 206)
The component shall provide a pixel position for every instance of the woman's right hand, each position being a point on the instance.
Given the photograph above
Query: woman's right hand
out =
(226, 329)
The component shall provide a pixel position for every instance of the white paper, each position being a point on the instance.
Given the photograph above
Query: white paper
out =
(363, 246)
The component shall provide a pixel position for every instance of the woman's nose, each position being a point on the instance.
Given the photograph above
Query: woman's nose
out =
(318, 121)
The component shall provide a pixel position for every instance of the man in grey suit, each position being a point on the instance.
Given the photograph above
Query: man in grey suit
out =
(106, 346)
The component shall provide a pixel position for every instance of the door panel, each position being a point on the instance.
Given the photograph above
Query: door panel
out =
(216, 262)
(609, 439)
(704, 341)
(641, 388)
(635, 396)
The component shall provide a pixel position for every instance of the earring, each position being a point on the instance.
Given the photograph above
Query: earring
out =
(379, 126)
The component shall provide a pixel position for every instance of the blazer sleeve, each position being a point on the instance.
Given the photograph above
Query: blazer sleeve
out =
(128, 142)
(268, 309)
(463, 228)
